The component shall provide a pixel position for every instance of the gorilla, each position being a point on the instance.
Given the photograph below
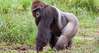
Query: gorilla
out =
(54, 26)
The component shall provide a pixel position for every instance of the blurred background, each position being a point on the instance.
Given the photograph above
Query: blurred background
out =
(18, 29)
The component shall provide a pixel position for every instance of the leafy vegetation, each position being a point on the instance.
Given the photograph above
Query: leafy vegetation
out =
(17, 24)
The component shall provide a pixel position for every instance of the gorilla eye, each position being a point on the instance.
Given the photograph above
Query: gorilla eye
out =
(37, 14)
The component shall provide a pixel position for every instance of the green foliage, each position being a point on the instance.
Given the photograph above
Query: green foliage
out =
(88, 4)
(5, 6)
(25, 3)
(16, 29)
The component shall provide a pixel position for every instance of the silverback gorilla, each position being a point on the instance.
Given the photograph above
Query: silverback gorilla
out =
(54, 26)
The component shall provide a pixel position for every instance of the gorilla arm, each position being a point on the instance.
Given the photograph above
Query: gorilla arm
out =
(72, 26)
(68, 32)
(44, 32)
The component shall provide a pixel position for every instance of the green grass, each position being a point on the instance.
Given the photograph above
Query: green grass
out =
(17, 25)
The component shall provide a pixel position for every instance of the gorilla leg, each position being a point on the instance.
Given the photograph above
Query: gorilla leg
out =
(53, 40)
(62, 42)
